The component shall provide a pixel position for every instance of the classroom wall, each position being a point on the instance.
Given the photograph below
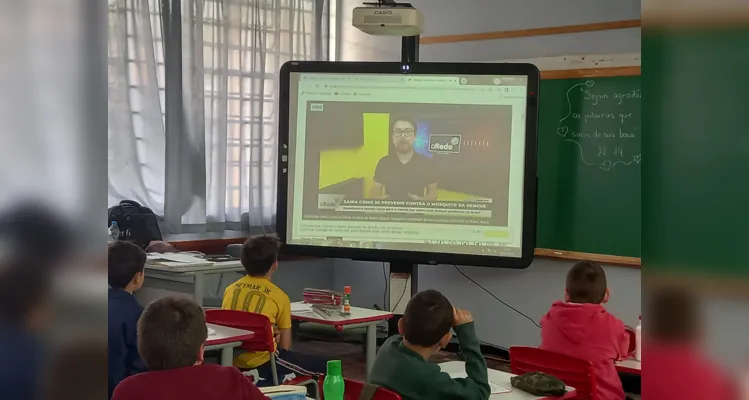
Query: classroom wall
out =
(531, 291)
(534, 289)
(449, 17)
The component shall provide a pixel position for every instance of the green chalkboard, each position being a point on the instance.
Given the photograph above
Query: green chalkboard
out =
(589, 165)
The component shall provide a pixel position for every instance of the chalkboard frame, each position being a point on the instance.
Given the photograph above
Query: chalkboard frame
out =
(624, 261)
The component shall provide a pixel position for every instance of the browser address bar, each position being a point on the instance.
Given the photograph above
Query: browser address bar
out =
(406, 87)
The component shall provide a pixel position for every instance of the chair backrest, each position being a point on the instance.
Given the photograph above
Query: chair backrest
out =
(354, 388)
(632, 340)
(573, 371)
(259, 324)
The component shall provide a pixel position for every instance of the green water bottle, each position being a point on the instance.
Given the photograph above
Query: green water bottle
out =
(333, 386)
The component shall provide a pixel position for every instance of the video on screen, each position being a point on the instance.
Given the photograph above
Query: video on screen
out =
(400, 162)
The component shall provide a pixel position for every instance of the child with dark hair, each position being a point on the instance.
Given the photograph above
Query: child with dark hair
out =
(403, 366)
(171, 338)
(257, 294)
(35, 242)
(678, 367)
(581, 327)
(126, 263)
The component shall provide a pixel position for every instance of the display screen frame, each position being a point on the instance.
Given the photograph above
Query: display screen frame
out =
(530, 180)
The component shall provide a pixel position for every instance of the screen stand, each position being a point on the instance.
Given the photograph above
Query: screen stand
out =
(410, 49)
(405, 273)
(401, 273)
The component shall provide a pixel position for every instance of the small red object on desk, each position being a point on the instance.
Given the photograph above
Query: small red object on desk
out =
(346, 300)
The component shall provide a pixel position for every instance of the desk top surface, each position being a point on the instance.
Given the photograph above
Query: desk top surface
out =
(629, 365)
(218, 334)
(358, 316)
(218, 267)
(497, 377)
(189, 237)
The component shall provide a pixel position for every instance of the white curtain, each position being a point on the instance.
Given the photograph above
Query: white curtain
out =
(217, 164)
(136, 103)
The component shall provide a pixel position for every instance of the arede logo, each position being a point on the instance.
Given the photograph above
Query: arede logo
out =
(316, 106)
(445, 144)
(383, 12)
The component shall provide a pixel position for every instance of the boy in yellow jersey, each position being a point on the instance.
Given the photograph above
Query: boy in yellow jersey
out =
(257, 294)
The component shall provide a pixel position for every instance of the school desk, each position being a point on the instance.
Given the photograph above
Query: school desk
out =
(185, 279)
(502, 378)
(225, 339)
(359, 317)
(630, 366)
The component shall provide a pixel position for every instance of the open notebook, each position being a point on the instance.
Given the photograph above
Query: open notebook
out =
(493, 387)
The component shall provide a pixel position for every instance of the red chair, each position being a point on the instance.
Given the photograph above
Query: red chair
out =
(263, 339)
(632, 341)
(572, 371)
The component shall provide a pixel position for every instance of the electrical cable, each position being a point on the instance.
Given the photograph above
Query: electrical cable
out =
(384, 295)
(497, 298)
(405, 285)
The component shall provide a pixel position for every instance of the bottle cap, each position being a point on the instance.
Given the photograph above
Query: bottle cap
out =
(334, 367)
(347, 289)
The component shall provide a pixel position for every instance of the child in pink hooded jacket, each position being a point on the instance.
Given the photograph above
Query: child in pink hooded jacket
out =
(581, 327)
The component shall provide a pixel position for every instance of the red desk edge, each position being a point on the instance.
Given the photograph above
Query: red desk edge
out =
(232, 339)
(320, 320)
(628, 370)
(569, 395)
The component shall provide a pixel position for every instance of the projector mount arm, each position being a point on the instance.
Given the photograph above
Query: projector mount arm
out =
(388, 3)
(409, 44)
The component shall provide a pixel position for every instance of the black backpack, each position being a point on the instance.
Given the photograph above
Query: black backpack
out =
(136, 223)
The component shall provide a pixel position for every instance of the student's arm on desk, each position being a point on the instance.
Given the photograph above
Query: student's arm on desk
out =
(476, 385)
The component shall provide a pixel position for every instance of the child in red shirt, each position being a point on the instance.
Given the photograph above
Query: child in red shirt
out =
(171, 340)
(581, 327)
(677, 366)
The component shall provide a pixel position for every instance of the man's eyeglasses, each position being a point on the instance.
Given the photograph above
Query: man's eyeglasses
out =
(403, 132)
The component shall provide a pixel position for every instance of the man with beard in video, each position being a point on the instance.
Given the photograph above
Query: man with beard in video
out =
(404, 174)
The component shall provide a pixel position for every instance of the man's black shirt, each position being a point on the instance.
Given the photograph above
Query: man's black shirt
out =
(401, 179)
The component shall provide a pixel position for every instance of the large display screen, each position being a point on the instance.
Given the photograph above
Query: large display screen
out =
(430, 163)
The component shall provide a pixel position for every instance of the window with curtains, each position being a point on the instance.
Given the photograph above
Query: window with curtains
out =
(231, 51)
(136, 102)
(256, 44)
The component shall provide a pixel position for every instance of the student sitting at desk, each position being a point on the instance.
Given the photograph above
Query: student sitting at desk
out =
(256, 293)
(126, 262)
(581, 327)
(678, 367)
(171, 338)
(403, 362)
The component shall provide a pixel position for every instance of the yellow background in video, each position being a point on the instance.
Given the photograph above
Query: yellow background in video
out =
(338, 165)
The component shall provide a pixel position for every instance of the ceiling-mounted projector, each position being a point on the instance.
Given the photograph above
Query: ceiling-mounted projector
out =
(387, 17)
